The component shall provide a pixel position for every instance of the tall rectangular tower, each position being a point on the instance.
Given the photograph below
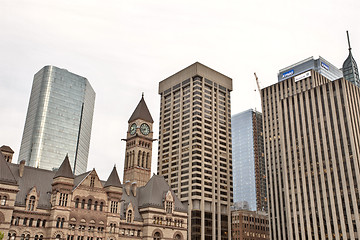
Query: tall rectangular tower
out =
(195, 147)
(312, 150)
(248, 160)
(58, 120)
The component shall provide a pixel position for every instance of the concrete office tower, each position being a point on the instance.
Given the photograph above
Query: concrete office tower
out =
(248, 160)
(312, 151)
(195, 147)
(58, 120)
(319, 65)
(350, 69)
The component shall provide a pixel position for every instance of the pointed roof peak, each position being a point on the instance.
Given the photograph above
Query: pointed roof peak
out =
(113, 179)
(141, 112)
(65, 169)
(6, 174)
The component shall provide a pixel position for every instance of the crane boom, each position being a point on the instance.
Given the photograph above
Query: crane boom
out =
(257, 83)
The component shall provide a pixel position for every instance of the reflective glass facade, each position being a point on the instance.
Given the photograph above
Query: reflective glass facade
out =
(248, 160)
(58, 121)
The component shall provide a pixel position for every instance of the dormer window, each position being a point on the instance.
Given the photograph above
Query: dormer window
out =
(31, 203)
(129, 216)
(169, 202)
(169, 207)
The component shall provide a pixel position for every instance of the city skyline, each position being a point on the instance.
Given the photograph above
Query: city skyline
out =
(108, 46)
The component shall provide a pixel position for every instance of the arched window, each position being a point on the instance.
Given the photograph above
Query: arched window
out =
(83, 204)
(89, 204)
(3, 201)
(147, 160)
(13, 236)
(62, 223)
(38, 223)
(95, 205)
(157, 236)
(129, 216)
(27, 237)
(58, 237)
(77, 203)
(143, 160)
(36, 237)
(139, 158)
(22, 237)
(41, 236)
(177, 237)
(58, 222)
(101, 206)
(126, 160)
(31, 204)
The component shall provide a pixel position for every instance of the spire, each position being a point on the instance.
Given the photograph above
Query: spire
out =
(65, 169)
(141, 112)
(113, 179)
(349, 68)
(348, 38)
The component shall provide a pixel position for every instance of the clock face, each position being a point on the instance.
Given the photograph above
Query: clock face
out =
(145, 129)
(133, 129)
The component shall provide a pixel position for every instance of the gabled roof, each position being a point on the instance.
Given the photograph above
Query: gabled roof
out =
(80, 178)
(154, 192)
(6, 175)
(5, 148)
(65, 169)
(113, 179)
(141, 112)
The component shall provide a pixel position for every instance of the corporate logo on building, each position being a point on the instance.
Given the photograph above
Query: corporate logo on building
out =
(302, 76)
(323, 65)
(288, 74)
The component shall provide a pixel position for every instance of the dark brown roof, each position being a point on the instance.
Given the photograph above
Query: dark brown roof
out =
(6, 175)
(113, 179)
(141, 112)
(5, 148)
(65, 169)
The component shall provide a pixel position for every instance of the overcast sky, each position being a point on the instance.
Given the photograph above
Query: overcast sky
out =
(125, 48)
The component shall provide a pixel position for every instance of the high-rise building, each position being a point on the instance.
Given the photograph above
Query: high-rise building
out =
(350, 69)
(311, 137)
(302, 68)
(58, 120)
(248, 160)
(137, 165)
(195, 147)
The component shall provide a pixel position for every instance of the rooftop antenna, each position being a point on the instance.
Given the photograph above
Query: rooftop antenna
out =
(347, 33)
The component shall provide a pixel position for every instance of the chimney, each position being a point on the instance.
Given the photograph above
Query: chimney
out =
(21, 168)
(133, 188)
(127, 187)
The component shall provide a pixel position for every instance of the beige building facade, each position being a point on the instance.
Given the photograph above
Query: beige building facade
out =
(312, 148)
(194, 153)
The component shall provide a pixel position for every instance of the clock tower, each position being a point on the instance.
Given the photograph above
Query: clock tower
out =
(139, 138)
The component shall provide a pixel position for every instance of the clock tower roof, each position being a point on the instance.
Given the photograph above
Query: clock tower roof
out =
(141, 112)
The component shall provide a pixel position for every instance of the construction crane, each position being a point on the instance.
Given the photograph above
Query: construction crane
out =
(257, 83)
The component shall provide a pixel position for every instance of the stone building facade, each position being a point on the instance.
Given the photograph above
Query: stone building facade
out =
(41, 204)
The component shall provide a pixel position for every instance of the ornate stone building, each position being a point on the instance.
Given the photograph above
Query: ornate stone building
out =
(41, 204)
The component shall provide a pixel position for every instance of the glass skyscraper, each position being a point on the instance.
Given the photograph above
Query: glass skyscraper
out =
(248, 160)
(58, 121)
